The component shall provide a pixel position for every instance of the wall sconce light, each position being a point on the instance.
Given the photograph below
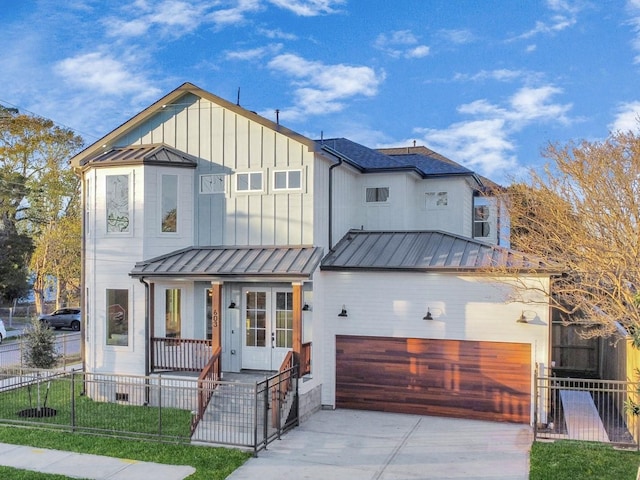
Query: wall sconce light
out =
(305, 307)
(343, 313)
(232, 304)
(522, 318)
(428, 316)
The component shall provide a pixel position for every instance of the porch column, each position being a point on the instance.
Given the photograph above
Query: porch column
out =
(297, 322)
(216, 318)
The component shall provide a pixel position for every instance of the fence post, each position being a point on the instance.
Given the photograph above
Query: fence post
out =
(159, 404)
(535, 403)
(73, 401)
(265, 419)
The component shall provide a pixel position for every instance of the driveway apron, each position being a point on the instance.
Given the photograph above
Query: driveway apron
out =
(355, 444)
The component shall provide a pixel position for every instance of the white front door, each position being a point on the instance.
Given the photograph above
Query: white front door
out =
(268, 327)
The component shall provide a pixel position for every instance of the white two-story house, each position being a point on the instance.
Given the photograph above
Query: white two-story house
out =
(211, 229)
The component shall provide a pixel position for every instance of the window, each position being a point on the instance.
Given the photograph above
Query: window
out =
(117, 203)
(481, 213)
(170, 203)
(256, 319)
(173, 318)
(377, 194)
(212, 183)
(284, 320)
(287, 180)
(117, 317)
(437, 200)
(249, 182)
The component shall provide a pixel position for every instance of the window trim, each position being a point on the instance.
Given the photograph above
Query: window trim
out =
(287, 187)
(127, 309)
(213, 176)
(177, 203)
(377, 202)
(249, 175)
(435, 203)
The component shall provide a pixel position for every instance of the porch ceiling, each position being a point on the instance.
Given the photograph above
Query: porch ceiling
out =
(233, 262)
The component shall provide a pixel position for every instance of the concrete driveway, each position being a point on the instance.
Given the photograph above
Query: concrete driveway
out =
(355, 444)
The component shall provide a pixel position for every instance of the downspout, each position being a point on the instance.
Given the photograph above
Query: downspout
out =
(331, 201)
(83, 256)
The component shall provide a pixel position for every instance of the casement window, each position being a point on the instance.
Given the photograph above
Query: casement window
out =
(172, 313)
(213, 183)
(287, 180)
(481, 218)
(169, 188)
(117, 317)
(377, 194)
(249, 182)
(117, 203)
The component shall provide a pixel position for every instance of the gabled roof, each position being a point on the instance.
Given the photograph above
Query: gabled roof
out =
(282, 262)
(368, 160)
(422, 251)
(156, 154)
(108, 140)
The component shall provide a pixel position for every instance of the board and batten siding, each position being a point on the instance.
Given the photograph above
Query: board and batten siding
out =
(393, 304)
(225, 142)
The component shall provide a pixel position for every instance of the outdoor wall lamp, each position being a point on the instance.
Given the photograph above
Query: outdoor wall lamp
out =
(428, 316)
(232, 304)
(523, 317)
(305, 307)
(343, 313)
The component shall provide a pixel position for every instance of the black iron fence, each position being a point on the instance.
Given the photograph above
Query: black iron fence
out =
(586, 409)
(241, 414)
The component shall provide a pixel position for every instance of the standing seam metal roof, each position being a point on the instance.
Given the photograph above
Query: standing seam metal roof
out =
(233, 261)
(422, 250)
(156, 153)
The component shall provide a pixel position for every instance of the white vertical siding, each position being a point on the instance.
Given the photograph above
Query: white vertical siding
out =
(393, 304)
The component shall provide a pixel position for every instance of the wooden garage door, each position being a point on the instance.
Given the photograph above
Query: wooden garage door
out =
(479, 380)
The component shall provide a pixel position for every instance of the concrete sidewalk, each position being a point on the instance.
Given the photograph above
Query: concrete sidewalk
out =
(85, 466)
(360, 445)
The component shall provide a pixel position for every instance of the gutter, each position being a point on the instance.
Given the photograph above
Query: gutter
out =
(146, 341)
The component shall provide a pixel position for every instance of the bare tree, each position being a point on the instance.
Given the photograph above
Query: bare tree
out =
(583, 213)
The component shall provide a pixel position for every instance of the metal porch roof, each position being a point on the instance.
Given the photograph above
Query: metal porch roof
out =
(233, 261)
(421, 251)
(154, 154)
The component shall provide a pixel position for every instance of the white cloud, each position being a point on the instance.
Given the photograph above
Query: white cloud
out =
(457, 37)
(501, 75)
(104, 75)
(564, 15)
(321, 88)
(174, 17)
(484, 142)
(309, 8)
(253, 53)
(627, 118)
(277, 34)
(401, 43)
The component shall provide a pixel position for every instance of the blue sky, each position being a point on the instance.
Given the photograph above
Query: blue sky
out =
(488, 83)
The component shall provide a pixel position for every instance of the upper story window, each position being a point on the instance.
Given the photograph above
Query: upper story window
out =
(169, 203)
(287, 180)
(481, 220)
(436, 200)
(249, 182)
(377, 194)
(117, 203)
(215, 183)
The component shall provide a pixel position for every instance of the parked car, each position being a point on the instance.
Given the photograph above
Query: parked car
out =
(63, 318)
(3, 332)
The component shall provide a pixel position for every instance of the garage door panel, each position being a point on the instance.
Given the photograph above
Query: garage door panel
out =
(482, 380)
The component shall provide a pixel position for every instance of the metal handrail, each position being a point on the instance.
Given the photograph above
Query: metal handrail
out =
(207, 383)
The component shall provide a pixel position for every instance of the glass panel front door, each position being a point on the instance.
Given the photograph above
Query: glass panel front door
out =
(268, 327)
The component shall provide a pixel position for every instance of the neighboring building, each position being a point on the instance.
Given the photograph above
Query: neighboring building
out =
(207, 224)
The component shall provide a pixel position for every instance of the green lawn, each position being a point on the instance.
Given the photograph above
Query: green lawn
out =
(118, 420)
(211, 463)
(581, 460)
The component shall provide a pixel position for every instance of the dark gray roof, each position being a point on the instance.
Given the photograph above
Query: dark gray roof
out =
(233, 261)
(154, 154)
(368, 160)
(421, 251)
